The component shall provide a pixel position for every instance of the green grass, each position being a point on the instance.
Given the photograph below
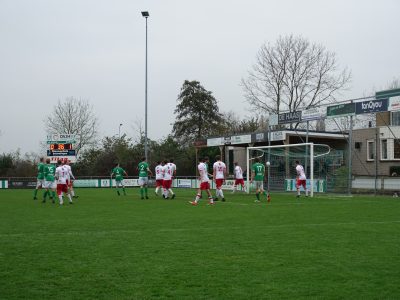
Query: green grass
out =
(110, 247)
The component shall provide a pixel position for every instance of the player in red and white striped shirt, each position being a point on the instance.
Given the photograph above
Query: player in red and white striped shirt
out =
(71, 178)
(62, 175)
(238, 172)
(301, 179)
(173, 170)
(204, 182)
(159, 170)
(167, 183)
(219, 175)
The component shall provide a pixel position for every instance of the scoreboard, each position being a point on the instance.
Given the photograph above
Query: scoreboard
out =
(61, 147)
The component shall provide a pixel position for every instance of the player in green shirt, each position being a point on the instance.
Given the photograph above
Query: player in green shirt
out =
(50, 185)
(119, 178)
(144, 172)
(257, 176)
(40, 177)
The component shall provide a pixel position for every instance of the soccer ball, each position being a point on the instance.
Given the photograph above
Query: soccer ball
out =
(268, 163)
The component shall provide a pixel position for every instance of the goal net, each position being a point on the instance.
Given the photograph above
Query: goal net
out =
(281, 170)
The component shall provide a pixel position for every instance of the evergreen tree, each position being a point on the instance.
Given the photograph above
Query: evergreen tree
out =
(197, 114)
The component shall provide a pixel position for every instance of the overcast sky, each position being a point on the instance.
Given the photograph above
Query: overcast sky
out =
(95, 50)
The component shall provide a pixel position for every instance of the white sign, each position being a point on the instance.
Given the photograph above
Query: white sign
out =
(3, 184)
(126, 182)
(184, 183)
(278, 136)
(54, 159)
(310, 114)
(241, 139)
(394, 103)
(260, 136)
(105, 183)
(273, 119)
(129, 182)
(228, 184)
(86, 183)
(215, 142)
(61, 137)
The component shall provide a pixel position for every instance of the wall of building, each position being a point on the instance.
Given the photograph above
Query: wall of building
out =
(235, 154)
(382, 118)
(360, 163)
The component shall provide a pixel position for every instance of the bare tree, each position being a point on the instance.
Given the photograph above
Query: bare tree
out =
(293, 74)
(137, 127)
(73, 116)
(393, 84)
(233, 124)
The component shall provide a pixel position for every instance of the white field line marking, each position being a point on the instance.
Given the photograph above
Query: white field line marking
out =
(263, 202)
(108, 232)
(278, 203)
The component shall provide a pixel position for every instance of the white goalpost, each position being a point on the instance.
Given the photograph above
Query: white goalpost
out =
(281, 160)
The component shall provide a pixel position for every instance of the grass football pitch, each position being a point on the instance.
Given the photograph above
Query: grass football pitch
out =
(109, 247)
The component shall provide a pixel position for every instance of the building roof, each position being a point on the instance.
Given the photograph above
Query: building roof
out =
(260, 137)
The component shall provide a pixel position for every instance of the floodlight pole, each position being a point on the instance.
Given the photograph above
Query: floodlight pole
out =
(145, 14)
(311, 169)
(350, 155)
(119, 131)
(269, 157)
(306, 160)
(376, 158)
(248, 170)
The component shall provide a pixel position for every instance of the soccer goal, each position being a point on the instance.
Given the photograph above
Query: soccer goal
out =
(280, 164)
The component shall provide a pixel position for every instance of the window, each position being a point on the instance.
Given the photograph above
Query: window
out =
(396, 149)
(371, 150)
(384, 149)
(395, 118)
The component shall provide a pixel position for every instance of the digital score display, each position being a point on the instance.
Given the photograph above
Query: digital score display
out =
(60, 147)
(60, 150)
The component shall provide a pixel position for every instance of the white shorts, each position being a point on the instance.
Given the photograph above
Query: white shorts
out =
(50, 185)
(143, 181)
(259, 185)
(40, 183)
